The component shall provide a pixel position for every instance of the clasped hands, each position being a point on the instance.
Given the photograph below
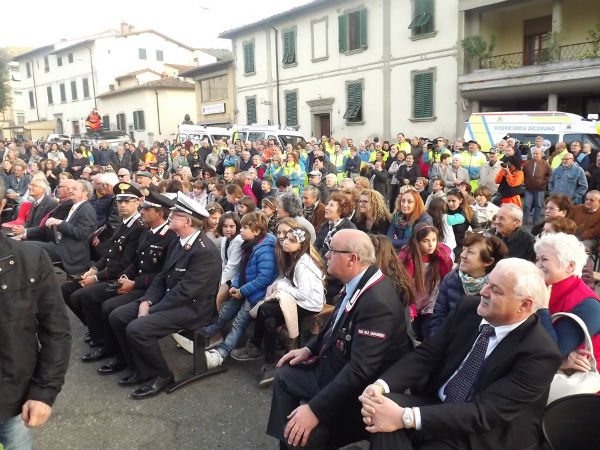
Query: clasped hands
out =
(380, 414)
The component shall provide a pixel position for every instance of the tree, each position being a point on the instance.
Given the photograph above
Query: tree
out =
(5, 94)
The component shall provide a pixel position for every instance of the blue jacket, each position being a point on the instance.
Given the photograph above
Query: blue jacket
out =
(450, 293)
(571, 182)
(261, 270)
(401, 234)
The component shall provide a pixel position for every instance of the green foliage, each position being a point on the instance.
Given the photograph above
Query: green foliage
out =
(5, 97)
(477, 47)
(594, 36)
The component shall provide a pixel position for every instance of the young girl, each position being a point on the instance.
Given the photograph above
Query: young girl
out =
(212, 222)
(443, 222)
(283, 226)
(427, 261)
(246, 205)
(457, 205)
(198, 193)
(300, 285)
(231, 253)
(269, 207)
(233, 194)
(484, 208)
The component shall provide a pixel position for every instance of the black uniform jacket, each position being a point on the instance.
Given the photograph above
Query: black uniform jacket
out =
(510, 394)
(369, 336)
(32, 311)
(190, 276)
(150, 256)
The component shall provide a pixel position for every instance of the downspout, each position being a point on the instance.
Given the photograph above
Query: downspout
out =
(93, 82)
(277, 75)
(37, 110)
(157, 112)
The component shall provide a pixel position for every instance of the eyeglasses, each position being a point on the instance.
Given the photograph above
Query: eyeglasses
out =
(549, 208)
(332, 251)
(123, 175)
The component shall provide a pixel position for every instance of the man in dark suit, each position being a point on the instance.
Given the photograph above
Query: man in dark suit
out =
(42, 204)
(482, 381)
(365, 333)
(181, 295)
(71, 235)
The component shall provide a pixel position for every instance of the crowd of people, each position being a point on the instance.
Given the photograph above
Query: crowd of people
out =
(428, 249)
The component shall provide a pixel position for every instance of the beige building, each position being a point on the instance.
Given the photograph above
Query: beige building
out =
(215, 97)
(544, 58)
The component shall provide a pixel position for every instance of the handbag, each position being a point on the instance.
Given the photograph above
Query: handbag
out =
(564, 384)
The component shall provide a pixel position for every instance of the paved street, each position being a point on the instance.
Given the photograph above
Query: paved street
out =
(226, 411)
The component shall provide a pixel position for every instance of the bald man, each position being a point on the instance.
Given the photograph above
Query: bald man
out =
(366, 331)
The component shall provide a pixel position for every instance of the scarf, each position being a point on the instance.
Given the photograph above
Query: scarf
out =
(472, 285)
(310, 212)
(401, 224)
(332, 230)
(247, 248)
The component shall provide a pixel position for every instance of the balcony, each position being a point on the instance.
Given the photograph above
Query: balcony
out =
(571, 52)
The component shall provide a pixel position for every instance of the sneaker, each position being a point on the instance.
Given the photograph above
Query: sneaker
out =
(215, 344)
(247, 353)
(267, 375)
(213, 359)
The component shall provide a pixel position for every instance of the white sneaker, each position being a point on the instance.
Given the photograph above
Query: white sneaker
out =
(213, 359)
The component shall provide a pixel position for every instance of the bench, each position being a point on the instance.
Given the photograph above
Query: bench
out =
(200, 370)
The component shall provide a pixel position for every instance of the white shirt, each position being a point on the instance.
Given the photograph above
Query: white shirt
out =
(154, 230)
(73, 209)
(189, 239)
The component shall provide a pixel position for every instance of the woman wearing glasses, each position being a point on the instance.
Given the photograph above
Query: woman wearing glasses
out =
(557, 205)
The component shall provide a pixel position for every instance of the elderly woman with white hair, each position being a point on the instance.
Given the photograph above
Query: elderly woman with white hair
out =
(561, 258)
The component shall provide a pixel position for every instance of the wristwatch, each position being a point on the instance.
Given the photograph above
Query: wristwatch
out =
(408, 418)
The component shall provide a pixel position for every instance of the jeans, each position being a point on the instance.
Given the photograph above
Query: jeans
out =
(15, 435)
(535, 199)
(227, 312)
(238, 328)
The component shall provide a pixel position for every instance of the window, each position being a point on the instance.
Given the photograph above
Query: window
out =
(142, 53)
(320, 39)
(70, 58)
(63, 92)
(31, 100)
(73, 90)
(138, 121)
(354, 110)
(423, 95)
(422, 20)
(59, 61)
(49, 91)
(159, 55)
(289, 47)
(28, 69)
(106, 122)
(352, 29)
(249, 57)
(86, 88)
(291, 109)
(121, 122)
(250, 110)
(20, 118)
(214, 88)
(46, 64)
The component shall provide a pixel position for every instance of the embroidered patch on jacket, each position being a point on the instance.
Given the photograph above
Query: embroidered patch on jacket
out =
(371, 333)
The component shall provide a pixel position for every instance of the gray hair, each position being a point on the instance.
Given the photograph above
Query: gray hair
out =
(86, 187)
(291, 203)
(331, 176)
(347, 181)
(530, 280)
(515, 212)
(109, 178)
(566, 247)
(314, 191)
(42, 181)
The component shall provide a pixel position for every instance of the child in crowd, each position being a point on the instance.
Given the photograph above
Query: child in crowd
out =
(212, 221)
(233, 194)
(283, 226)
(298, 293)
(246, 205)
(427, 261)
(199, 193)
(421, 186)
(437, 191)
(484, 208)
(266, 186)
(257, 271)
(443, 222)
(231, 253)
(269, 207)
(457, 205)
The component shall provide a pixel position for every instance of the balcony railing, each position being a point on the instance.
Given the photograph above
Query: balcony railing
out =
(563, 53)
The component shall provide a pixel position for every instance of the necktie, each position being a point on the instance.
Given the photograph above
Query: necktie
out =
(460, 385)
(333, 320)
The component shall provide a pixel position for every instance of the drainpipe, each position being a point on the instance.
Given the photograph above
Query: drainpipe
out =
(93, 82)
(277, 75)
(157, 112)
(37, 108)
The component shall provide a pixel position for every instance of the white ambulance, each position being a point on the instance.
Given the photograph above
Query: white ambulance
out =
(283, 135)
(490, 127)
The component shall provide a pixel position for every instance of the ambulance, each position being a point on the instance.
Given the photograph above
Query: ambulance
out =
(197, 133)
(281, 135)
(490, 127)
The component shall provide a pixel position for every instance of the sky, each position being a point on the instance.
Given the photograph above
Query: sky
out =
(193, 22)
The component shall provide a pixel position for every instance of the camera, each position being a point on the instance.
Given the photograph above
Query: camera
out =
(504, 165)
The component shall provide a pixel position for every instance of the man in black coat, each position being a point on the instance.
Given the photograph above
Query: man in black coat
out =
(365, 333)
(35, 340)
(41, 205)
(181, 295)
(481, 382)
(508, 228)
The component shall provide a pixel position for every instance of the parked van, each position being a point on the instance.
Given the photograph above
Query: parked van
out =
(489, 128)
(253, 133)
(197, 133)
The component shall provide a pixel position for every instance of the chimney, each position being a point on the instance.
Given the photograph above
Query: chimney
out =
(124, 27)
(131, 28)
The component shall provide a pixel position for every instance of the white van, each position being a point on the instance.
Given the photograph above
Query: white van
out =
(197, 133)
(254, 133)
(489, 128)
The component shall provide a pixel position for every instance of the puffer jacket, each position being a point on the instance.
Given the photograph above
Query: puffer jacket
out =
(261, 271)
(34, 328)
(450, 293)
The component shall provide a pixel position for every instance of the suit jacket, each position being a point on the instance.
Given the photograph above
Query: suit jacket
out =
(190, 277)
(39, 211)
(370, 334)
(73, 248)
(510, 394)
(19, 186)
(318, 217)
(43, 233)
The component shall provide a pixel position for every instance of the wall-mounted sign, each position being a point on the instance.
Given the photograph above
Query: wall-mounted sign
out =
(217, 108)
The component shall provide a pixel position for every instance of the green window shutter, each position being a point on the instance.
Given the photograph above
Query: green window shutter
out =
(422, 16)
(289, 47)
(423, 95)
(249, 57)
(292, 54)
(354, 109)
(251, 110)
(342, 23)
(363, 28)
(291, 109)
